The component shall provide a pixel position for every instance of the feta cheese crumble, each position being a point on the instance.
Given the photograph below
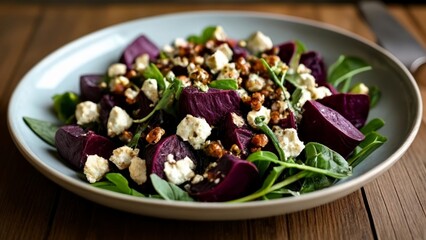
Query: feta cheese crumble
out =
(258, 42)
(179, 171)
(118, 121)
(117, 69)
(255, 82)
(137, 170)
(289, 141)
(95, 168)
(217, 61)
(141, 62)
(150, 89)
(252, 115)
(194, 130)
(122, 156)
(86, 112)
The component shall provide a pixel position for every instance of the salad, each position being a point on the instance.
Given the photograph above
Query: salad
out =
(210, 118)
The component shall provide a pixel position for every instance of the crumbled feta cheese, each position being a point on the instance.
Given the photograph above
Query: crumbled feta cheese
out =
(194, 130)
(219, 34)
(180, 42)
(168, 49)
(242, 93)
(289, 141)
(117, 82)
(306, 95)
(170, 76)
(224, 47)
(217, 61)
(117, 69)
(95, 168)
(302, 69)
(229, 72)
(258, 42)
(320, 92)
(86, 112)
(307, 80)
(252, 115)
(179, 171)
(180, 61)
(141, 62)
(360, 88)
(255, 82)
(118, 121)
(279, 106)
(137, 170)
(150, 89)
(122, 156)
(197, 178)
(131, 93)
(237, 120)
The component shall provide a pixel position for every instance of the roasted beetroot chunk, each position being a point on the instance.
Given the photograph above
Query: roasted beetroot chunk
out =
(89, 87)
(288, 122)
(156, 155)
(74, 145)
(235, 131)
(212, 105)
(326, 126)
(314, 61)
(354, 107)
(138, 47)
(230, 179)
(286, 51)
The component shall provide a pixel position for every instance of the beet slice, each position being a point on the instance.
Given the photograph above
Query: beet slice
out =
(212, 105)
(156, 155)
(89, 87)
(74, 145)
(326, 126)
(234, 132)
(139, 46)
(314, 61)
(288, 122)
(286, 51)
(354, 107)
(236, 179)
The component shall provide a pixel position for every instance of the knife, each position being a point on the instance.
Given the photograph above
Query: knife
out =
(392, 35)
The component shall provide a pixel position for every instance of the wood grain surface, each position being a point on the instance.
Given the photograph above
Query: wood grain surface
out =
(393, 206)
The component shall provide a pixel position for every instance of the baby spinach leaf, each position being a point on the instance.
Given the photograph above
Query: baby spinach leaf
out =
(316, 182)
(206, 35)
(262, 166)
(64, 105)
(154, 73)
(341, 72)
(169, 191)
(372, 141)
(277, 194)
(224, 84)
(116, 182)
(44, 130)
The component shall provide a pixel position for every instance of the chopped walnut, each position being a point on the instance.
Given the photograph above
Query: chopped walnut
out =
(235, 150)
(259, 140)
(243, 66)
(200, 75)
(154, 136)
(126, 136)
(214, 149)
(257, 99)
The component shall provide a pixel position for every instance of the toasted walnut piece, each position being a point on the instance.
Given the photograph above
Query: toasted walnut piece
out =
(257, 67)
(259, 140)
(214, 149)
(243, 66)
(131, 74)
(257, 99)
(275, 117)
(235, 150)
(126, 136)
(200, 75)
(154, 136)
(272, 60)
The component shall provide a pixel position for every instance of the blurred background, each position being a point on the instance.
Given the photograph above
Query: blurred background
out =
(200, 1)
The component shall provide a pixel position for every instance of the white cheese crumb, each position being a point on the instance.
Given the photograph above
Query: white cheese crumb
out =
(122, 156)
(289, 141)
(117, 69)
(180, 42)
(229, 72)
(258, 42)
(217, 61)
(255, 82)
(118, 81)
(150, 89)
(141, 62)
(86, 112)
(179, 171)
(131, 93)
(219, 34)
(237, 120)
(320, 92)
(137, 170)
(197, 178)
(306, 95)
(95, 168)
(224, 47)
(194, 130)
(252, 115)
(118, 121)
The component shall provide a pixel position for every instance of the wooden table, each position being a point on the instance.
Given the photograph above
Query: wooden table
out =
(393, 206)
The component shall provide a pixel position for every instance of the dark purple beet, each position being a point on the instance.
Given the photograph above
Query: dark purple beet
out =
(288, 122)
(354, 107)
(239, 52)
(314, 61)
(89, 87)
(138, 47)
(156, 155)
(74, 145)
(237, 178)
(231, 133)
(286, 51)
(326, 126)
(212, 105)
(106, 104)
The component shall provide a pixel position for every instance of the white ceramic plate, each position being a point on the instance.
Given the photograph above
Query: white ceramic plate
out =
(400, 105)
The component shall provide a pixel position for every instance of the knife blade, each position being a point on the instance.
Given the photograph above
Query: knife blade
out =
(392, 35)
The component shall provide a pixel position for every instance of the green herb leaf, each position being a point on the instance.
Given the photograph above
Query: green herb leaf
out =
(262, 166)
(206, 35)
(372, 141)
(373, 125)
(135, 139)
(152, 72)
(224, 84)
(64, 106)
(341, 72)
(44, 130)
(375, 95)
(116, 182)
(169, 191)
(316, 182)
(300, 49)
(260, 123)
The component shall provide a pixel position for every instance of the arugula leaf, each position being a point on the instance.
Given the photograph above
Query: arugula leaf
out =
(372, 141)
(169, 191)
(44, 130)
(116, 182)
(341, 72)
(154, 73)
(135, 139)
(273, 75)
(64, 106)
(224, 84)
